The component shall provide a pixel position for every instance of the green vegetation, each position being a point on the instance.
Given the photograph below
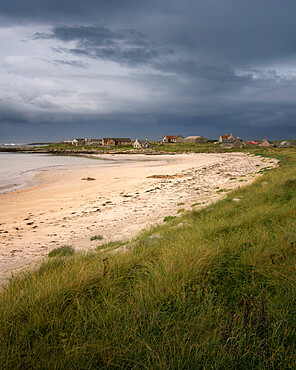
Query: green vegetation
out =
(88, 178)
(110, 246)
(96, 237)
(169, 218)
(84, 148)
(63, 251)
(218, 292)
(224, 190)
(181, 204)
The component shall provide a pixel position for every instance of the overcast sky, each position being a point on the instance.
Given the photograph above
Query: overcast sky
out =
(138, 68)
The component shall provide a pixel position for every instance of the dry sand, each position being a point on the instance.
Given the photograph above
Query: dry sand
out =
(122, 200)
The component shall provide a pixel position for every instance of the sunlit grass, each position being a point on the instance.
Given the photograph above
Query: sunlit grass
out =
(217, 292)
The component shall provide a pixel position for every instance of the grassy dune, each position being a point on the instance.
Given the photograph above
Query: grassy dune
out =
(211, 288)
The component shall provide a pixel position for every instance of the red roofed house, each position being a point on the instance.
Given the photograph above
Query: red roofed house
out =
(173, 139)
(225, 137)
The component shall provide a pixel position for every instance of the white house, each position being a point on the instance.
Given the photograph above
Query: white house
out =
(79, 141)
(138, 144)
(173, 139)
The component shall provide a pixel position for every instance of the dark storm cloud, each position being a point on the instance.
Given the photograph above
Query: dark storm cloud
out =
(72, 63)
(67, 10)
(124, 46)
(207, 64)
(234, 31)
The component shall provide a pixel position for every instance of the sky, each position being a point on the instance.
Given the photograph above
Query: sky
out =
(135, 68)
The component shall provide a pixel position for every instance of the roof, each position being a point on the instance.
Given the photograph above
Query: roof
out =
(117, 138)
(173, 136)
(237, 144)
(270, 142)
(142, 141)
(194, 137)
(224, 136)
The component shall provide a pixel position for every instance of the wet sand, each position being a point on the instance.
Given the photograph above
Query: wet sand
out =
(122, 200)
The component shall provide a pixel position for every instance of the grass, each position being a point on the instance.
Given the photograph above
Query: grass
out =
(110, 246)
(196, 204)
(217, 293)
(223, 190)
(55, 147)
(96, 237)
(63, 251)
(169, 218)
(88, 178)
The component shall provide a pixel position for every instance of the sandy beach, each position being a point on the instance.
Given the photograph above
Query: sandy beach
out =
(122, 200)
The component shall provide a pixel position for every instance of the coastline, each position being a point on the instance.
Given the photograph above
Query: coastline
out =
(20, 171)
(122, 200)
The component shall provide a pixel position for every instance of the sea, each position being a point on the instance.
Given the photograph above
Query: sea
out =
(18, 170)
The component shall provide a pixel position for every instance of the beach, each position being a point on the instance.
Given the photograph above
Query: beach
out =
(72, 204)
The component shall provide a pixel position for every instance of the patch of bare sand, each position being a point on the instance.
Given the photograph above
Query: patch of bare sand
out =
(122, 200)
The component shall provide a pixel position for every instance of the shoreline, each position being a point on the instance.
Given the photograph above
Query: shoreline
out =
(32, 177)
(121, 201)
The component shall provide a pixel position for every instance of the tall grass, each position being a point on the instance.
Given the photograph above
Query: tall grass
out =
(216, 292)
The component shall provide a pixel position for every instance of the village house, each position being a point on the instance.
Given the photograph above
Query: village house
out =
(138, 144)
(225, 137)
(266, 143)
(79, 141)
(287, 144)
(66, 142)
(238, 144)
(112, 141)
(227, 143)
(195, 139)
(173, 139)
(232, 144)
(95, 142)
(284, 144)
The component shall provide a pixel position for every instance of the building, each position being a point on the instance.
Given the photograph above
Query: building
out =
(238, 144)
(227, 143)
(222, 138)
(95, 142)
(79, 141)
(138, 144)
(114, 141)
(66, 142)
(266, 143)
(195, 139)
(285, 144)
(252, 142)
(173, 139)
(232, 144)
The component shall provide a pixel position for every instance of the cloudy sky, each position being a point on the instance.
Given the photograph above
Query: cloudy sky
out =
(138, 68)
